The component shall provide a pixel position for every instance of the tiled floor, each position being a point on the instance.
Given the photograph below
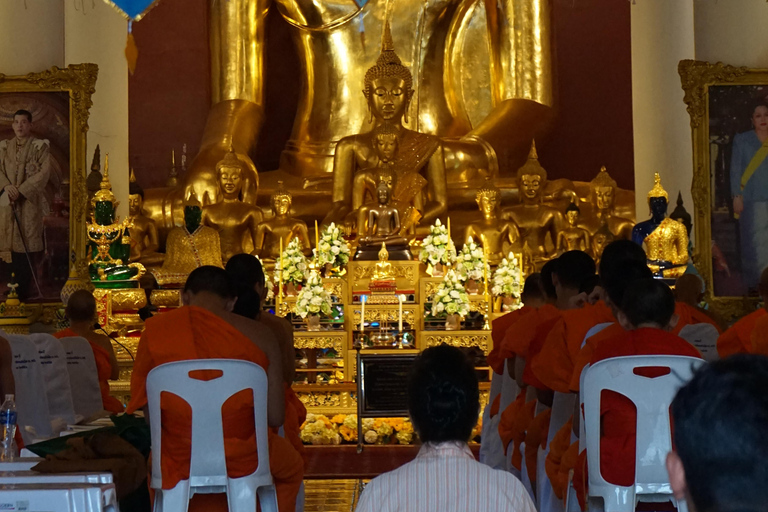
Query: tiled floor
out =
(331, 495)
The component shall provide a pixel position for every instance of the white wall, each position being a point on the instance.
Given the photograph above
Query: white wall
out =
(97, 34)
(31, 35)
(732, 31)
(662, 35)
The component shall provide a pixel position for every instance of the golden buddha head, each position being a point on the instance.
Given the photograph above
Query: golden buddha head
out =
(658, 199)
(281, 200)
(531, 178)
(386, 139)
(135, 196)
(602, 190)
(383, 192)
(572, 214)
(388, 83)
(488, 198)
(229, 172)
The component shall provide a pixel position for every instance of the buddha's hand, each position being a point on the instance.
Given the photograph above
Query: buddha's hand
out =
(738, 205)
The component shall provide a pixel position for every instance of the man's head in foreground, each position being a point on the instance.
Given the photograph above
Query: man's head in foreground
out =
(720, 462)
(211, 288)
(443, 395)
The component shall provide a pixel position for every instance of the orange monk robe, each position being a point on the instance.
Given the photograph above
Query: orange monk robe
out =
(103, 369)
(759, 337)
(191, 333)
(554, 365)
(499, 328)
(617, 413)
(536, 438)
(527, 337)
(295, 415)
(557, 449)
(689, 315)
(513, 423)
(737, 339)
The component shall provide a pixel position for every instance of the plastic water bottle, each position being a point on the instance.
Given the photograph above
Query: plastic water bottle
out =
(8, 425)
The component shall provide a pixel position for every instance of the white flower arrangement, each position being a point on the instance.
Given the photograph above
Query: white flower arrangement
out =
(450, 297)
(470, 262)
(506, 279)
(438, 247)
(293, 262)
(313, 298)
(332, 248)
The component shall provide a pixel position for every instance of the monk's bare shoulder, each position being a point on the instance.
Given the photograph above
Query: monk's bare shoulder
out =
(257, 332)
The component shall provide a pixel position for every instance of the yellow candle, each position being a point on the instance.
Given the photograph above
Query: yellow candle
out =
(280, 274)
(449, 227)
(400, 299)
(362, 313)
(317, 237)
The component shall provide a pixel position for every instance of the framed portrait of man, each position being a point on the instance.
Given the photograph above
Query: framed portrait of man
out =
(729, 120)
(43, 195)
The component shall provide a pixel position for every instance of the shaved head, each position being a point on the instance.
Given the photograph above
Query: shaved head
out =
(689, 289)
(81, 307)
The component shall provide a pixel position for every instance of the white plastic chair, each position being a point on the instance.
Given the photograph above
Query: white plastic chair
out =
(490, 442)
(34, 421)
(703, 336)
(53, 362)
(652, 397)
(208, 466)
(83, 376)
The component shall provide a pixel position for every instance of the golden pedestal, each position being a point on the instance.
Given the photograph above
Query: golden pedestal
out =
(117, 309)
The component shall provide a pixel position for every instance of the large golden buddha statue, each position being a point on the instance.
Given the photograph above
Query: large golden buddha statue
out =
(538, 223)
(603, 209)
(665, 239)
(496, 234)
(280, 228)
(236, 221)
(572, 237)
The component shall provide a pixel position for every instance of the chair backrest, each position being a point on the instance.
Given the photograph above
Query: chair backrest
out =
(53, 361)
(83, 376)
(31, 402)
(509, 388)
(652, 398)
(208, 465)
(703, 336)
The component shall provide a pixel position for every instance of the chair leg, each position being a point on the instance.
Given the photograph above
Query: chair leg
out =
(173, 500)
(268, 498)
(241, 495)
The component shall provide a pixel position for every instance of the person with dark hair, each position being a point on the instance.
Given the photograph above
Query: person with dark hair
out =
(443, 402)
(647, 314)
(572, 270)
(206, 328)
(249, 280)
(81, 313)
(25, 167)
(719, 461)
(738, 338)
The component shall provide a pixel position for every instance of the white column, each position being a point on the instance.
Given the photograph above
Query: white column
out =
(662, 35)
(31, 35)
(97, 33)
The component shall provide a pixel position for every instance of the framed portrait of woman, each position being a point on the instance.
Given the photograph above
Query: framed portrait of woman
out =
(729, 120)
(43, 194)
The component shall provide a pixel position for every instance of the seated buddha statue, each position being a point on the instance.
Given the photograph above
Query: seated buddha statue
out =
(600, 240)
(573, 238)
(110, 241)
(144, 238)
(538, 223)
(236, 221)
(280, 227)
(602, 208)
(188, 247)
(383, 227)
(665, 240)
(495, 233)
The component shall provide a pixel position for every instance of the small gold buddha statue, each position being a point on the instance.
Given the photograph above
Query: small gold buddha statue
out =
(280, 227)
(495, 233)
(665, 240)
(188, 247)
(236, 222)
(573, 238)
(383, 227)
(383, 267)
(538, 223)
(602, 202)
(600, 240)
(144, 237)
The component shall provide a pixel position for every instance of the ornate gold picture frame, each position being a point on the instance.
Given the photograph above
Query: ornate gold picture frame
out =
(58, 101)
(724, 103)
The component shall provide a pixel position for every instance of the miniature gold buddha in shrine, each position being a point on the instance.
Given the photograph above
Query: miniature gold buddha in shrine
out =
(665, 240)
(496, 234)
(602, 199)
(383, 224)
(144, 238)
(383, 270)
(538, 223)
(600, 240)
(235, 221)
(280, 227)
(572, 237)
(188, 247)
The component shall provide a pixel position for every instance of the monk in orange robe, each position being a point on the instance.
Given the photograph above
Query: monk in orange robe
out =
(246, 272)
(513, 424)
(206, 328)
(647, 315)
(759, 337)
(535, 438)
(737, 339)
(81, 313)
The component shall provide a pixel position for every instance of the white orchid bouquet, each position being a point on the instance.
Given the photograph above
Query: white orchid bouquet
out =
(313, 298)
(293, 263)
(438, 247)
(450, 298)
(470, 262)
(332, 248)
(506, 279)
